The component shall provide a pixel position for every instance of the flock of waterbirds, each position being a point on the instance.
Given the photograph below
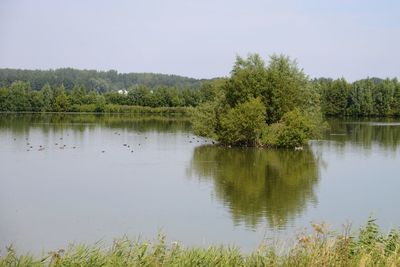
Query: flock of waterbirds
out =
(31, 147)
(130, 147)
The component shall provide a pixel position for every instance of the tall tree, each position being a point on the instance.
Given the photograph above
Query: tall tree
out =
(61, 101)
(19, 96)
(48, 98)
(287, 88)
(335, 97)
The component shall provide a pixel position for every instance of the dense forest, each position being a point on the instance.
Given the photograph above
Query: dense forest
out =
(100, 81)
(367, 97)
(20, 97)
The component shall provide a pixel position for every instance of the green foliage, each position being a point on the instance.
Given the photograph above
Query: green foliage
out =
(259, 185)
(109, 108)
(288, 88)
(294, 129)
(36, 101)
(383, 97)
(243, 124)
(77, 95)
(368, 97)
(138, 96)
(248, 80)
(320, 248)
(208, 90)
(255, 96)
(281, 85)
(395, 105)
(116, 98)
(205, 119)
(5, 104)
(335, 95)
(100, 103)
(48, 98)
(61, 102)
(18, 97)
(100, 81)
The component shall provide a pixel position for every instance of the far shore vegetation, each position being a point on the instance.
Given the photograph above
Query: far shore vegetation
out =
(85, 90)
(322, 247)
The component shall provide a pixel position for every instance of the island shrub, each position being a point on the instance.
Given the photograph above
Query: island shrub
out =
(261, 105)
(243, 124)
(295, 128)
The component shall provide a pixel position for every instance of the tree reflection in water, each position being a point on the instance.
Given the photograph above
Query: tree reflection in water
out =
(258, 184)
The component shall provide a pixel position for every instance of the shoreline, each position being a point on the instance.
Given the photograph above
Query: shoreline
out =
(322, 247)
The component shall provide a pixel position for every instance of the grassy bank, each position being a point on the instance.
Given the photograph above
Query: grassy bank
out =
(110, 108)
(118, 109)
(369, 247)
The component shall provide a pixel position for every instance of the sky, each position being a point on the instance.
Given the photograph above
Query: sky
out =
(328, 38)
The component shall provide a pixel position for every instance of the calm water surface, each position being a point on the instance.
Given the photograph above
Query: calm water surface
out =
(84, 178)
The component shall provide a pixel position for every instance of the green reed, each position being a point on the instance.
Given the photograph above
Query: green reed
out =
(322, 247)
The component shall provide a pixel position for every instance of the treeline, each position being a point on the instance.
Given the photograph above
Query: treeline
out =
(100, 81)
(367, 97)
(20, 97)
(73, 90)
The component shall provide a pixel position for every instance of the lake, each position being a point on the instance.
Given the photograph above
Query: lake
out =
(87, 178)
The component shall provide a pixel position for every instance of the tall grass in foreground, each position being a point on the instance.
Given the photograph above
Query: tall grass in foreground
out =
(369, 247)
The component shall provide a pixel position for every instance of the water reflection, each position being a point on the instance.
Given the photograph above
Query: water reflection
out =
(384, 133)
(91, 195)
(259, 184)
(21, 124)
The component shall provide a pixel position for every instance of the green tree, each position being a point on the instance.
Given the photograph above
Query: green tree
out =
(190, 98)
(116, 98)
(61, 102)
(5, 104)
(100, 103)
(36, 101)
(173, 97)
(205, 119)
(396, 98)
(360, 100)
(48, 98)
(208, 90)
(90, 98)
(335, 97)
(243, 124)
(248, 80)
(138, 96)
(383, 97)
(287, 88)
(18, 96)
(77, 95)
(241, 111)
(294, 129)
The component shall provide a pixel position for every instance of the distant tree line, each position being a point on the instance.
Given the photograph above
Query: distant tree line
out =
(367, 97)
(80, 90)
(20, 97)
(100, 81)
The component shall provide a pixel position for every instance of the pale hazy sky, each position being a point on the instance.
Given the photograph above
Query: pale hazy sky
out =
(332, 38)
